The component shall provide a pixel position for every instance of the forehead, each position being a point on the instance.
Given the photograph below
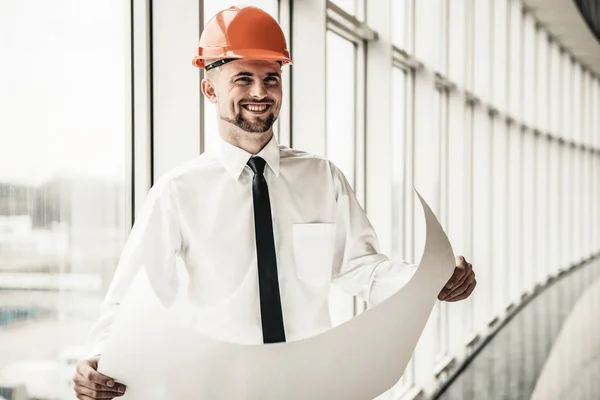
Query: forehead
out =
(257, 67)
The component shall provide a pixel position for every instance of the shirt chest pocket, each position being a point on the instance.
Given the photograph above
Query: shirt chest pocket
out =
(313, 252)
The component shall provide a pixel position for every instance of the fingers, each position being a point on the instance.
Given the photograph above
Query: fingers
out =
(460, 272)
(466, 293)
(85, 387)
(90, 384)
(82, 381)
(461, 289)
(86, 393)
(83, 397)
(463, 274)
(87, 369)
(461, 285)
(458, 276)
(457, 280)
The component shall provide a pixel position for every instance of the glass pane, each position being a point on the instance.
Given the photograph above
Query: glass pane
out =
(500, 215)
(515, 140)
(514, 58)
(442, 35)
(482, 49)
(529, 64)
(542, 82)
(566, 79)
(528, 211)
(481, 216)
(211, 8)
(457, 51)
(350, 6)
(565, 205)
(398, 160)
(554, 90)
(441, 342)
(64, 194)
(554, 199)
(341, 131)
(398, 21)
(399, 204)
(576, 104)
(499, 50)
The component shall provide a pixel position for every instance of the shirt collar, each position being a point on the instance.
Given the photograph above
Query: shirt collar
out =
(234, 159)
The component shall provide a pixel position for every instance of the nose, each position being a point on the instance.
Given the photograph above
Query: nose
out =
(258, 91)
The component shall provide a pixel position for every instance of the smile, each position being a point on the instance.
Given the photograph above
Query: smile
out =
(256, 108)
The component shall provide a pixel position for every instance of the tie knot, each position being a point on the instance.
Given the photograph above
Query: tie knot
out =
(257, 164)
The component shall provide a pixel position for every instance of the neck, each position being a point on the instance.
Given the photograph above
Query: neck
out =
(251, 142)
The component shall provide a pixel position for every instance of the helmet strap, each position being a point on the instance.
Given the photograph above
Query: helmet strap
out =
(218, 63)
(223, 61)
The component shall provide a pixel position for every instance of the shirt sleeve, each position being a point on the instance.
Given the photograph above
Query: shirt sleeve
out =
(359, 268)
(154, 241)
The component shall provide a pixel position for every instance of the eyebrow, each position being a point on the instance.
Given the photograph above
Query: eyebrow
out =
(269, 74)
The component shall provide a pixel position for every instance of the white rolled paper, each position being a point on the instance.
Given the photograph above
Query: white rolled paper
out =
(158, 356)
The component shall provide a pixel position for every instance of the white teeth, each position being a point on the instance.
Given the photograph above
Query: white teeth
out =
(256, 108)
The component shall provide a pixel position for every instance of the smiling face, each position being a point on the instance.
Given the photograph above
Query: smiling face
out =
(247, 94)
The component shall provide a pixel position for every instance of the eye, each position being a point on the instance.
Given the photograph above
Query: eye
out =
(243, 80)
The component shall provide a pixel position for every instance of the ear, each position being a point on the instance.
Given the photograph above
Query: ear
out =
(208, 90)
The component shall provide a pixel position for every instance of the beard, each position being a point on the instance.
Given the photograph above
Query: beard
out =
(259, 125)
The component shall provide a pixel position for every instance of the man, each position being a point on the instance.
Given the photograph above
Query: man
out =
(263, 229)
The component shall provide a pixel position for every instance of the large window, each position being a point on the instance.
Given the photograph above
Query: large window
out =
(473, 102)
(64, 185)
(341, 134)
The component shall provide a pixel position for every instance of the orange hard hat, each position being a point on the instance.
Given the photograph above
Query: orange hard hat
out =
(242, 32)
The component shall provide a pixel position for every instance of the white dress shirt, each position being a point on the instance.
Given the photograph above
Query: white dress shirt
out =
(202, 212)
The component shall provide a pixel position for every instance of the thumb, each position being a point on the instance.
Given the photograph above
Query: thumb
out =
(88, 368)
(93, 362)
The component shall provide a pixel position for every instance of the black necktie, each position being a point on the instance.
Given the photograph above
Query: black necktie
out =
(268, 282)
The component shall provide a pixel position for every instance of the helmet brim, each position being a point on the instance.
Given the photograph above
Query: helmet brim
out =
(247, 54)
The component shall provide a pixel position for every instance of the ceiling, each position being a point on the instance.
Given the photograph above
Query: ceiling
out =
(590, 9)
(568, 27)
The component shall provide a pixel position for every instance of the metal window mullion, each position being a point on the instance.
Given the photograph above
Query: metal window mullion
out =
(360, 131)
(129, 120)
(343, 31)
(285, 117)
(348, 25)
(403, 60)
(141, 102)
(202, 105)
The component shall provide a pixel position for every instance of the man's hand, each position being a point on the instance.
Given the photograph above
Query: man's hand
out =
(90, 384)
(461, 284)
